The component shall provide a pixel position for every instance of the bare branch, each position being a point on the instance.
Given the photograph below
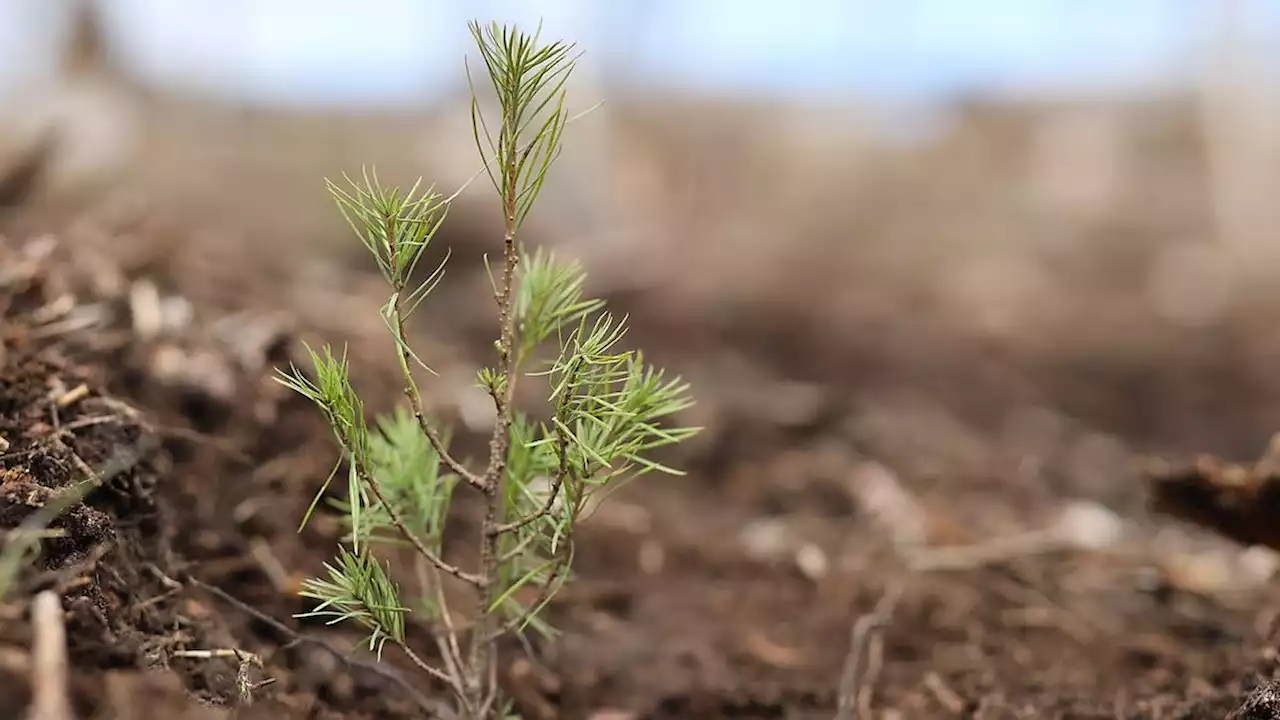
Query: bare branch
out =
(446, 642)
(859, 640)
(411, 388)
(557, 481)
(544, 594)
(431, 670)
(296, 637)
(426, 552)
(437, 444)
(49, 667)
(518, 550)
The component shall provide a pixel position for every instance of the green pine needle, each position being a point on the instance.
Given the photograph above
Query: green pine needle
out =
(359, 589)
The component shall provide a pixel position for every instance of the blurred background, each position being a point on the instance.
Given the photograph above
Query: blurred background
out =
(1042, 224)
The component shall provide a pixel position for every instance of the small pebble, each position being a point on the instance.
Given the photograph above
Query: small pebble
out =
(812, 561)
(764, 539)
(1205, 572)
(145, 309)
(1258, 565)
(1089, 526)
(176, 313)
(877, 490)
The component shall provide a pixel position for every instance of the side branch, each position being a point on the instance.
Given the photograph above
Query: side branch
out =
(434, 437)
(409, 535)
(415, 403)
(557, 482)
(545, 592)
(452, 681)
(406, 369)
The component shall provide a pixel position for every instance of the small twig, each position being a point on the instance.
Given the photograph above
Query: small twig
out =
(875, 663)
(987, 552)
(556, 483)
(216, 653)
(411, 391)
(367, 478)
(518, 550)
(296, 637)
(545, 592)
(72, 323)
(1080, 526)
(437, 444)
(446, 642)
(18, 534)
(494, 688)
(431, 670)
(848, 706)
(246, 661)
(49, 667)
(72, 396)
(271, 566)
(90, 422)
(943, 693)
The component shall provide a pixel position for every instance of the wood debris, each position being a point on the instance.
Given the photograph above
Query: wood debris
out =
(1241, 503)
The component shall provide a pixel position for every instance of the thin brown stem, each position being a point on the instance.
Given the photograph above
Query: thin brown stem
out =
(415, 401)
(542, 512)
(500, 441)
(447, 642)
(517, 551)
(451, 666)
(557, 482)
(411, 391)
(860, 637)
(430, 669)
(482, 657)
(50, 699)
(426, 552)
(295, 638)
(544, 594)
(491, 699)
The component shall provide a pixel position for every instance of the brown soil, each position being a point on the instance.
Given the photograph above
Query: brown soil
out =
(747, 589)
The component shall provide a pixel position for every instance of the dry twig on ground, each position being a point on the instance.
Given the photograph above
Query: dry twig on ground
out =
(49, 668)
(1238, 502)
(853, 695)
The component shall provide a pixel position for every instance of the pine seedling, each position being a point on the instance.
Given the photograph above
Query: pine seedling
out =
(608, 409)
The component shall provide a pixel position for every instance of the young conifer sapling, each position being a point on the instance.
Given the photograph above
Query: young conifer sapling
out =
(607, 406)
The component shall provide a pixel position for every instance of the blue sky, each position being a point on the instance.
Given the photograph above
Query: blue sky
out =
(361, 51)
